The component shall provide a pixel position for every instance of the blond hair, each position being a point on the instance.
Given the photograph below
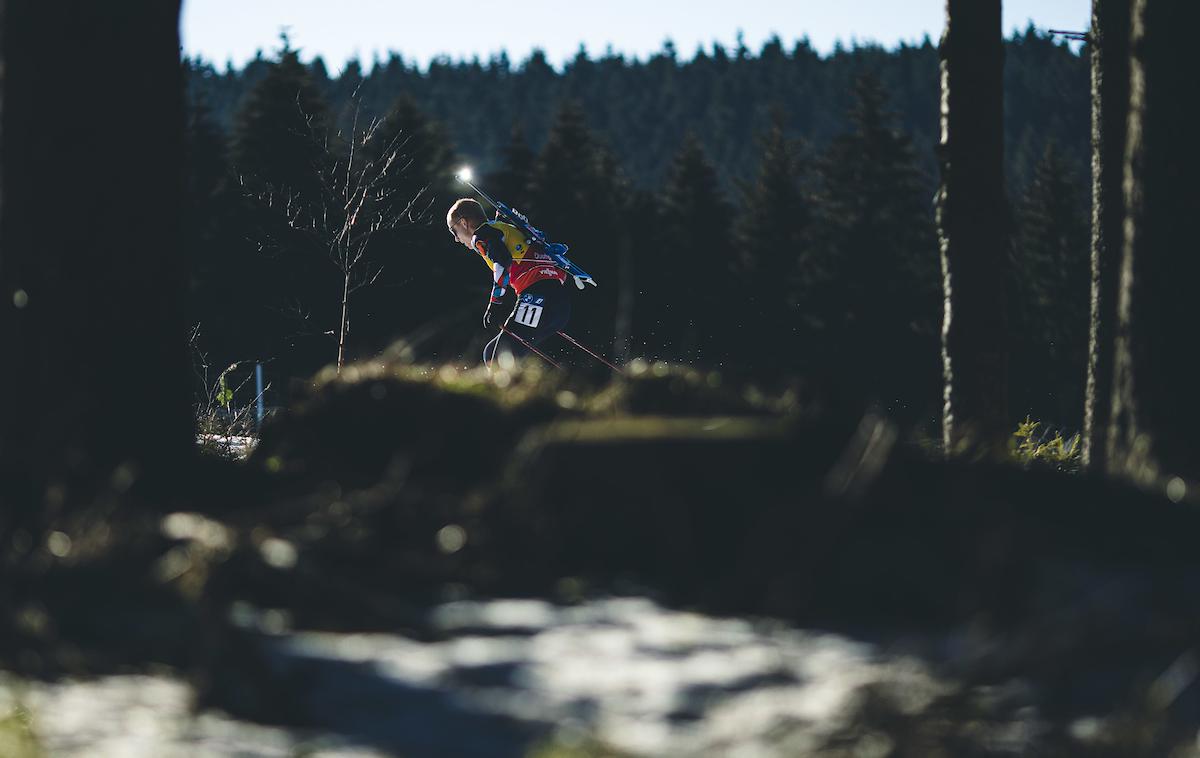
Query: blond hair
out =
(466, 209)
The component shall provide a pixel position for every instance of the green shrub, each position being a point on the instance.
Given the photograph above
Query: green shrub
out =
(225, 428)
(1028, 446)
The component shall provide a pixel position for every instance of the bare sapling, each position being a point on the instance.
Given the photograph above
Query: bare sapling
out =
(356, 199)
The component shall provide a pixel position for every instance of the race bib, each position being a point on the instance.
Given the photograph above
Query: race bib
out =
(528, 314)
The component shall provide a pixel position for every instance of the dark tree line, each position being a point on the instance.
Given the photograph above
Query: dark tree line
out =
(724, 97)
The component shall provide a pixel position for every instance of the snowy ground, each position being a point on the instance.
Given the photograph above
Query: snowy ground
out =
(527, 678)
(505, 677)
(235, 446)
(151, 717)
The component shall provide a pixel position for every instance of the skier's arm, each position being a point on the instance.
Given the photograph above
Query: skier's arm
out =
(489, 242)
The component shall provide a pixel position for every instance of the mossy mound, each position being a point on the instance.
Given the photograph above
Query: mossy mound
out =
(661, 501)
(457, 426)
(670, 389)
(423, 422)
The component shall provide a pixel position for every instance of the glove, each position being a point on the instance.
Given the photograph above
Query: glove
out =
(493, 317)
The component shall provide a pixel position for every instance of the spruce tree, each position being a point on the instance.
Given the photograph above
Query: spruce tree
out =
(615, 201)
(206, 172)
(368, 198)
(1049, 295)
(280, 153)
(511, 182)
(567, 174)
(683, 274)
(279, 130)
(872, 287)
(771, 243)
(643, 219)
(428, 154)
(576, 197)
(223, 276)
(425, 274)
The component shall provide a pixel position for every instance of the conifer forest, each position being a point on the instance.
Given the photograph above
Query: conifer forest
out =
(875, 437)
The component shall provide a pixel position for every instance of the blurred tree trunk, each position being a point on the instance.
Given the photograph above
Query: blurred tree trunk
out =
(973, 225)
(1156, 406)
(94, 381)
(1110, 108)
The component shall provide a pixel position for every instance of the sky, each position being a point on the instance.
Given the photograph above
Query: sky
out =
(223, 31)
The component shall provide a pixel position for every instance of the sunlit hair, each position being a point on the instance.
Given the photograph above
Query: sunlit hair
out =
(466, 209)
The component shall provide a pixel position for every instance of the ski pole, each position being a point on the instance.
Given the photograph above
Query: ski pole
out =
(530, 347)
(570, 339)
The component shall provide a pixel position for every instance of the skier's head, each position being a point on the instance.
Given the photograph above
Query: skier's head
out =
(463, 218)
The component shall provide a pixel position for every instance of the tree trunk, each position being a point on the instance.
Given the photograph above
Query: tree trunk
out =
(1156, 407)
(94, 385)
(973, 230)
(344, 323)
(1110, 107)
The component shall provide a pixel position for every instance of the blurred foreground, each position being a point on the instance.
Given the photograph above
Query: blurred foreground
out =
(422, 561)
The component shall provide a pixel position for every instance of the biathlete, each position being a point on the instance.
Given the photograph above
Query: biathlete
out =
(542, 304)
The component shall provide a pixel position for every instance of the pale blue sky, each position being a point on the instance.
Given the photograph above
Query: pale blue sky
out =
(232, 30)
